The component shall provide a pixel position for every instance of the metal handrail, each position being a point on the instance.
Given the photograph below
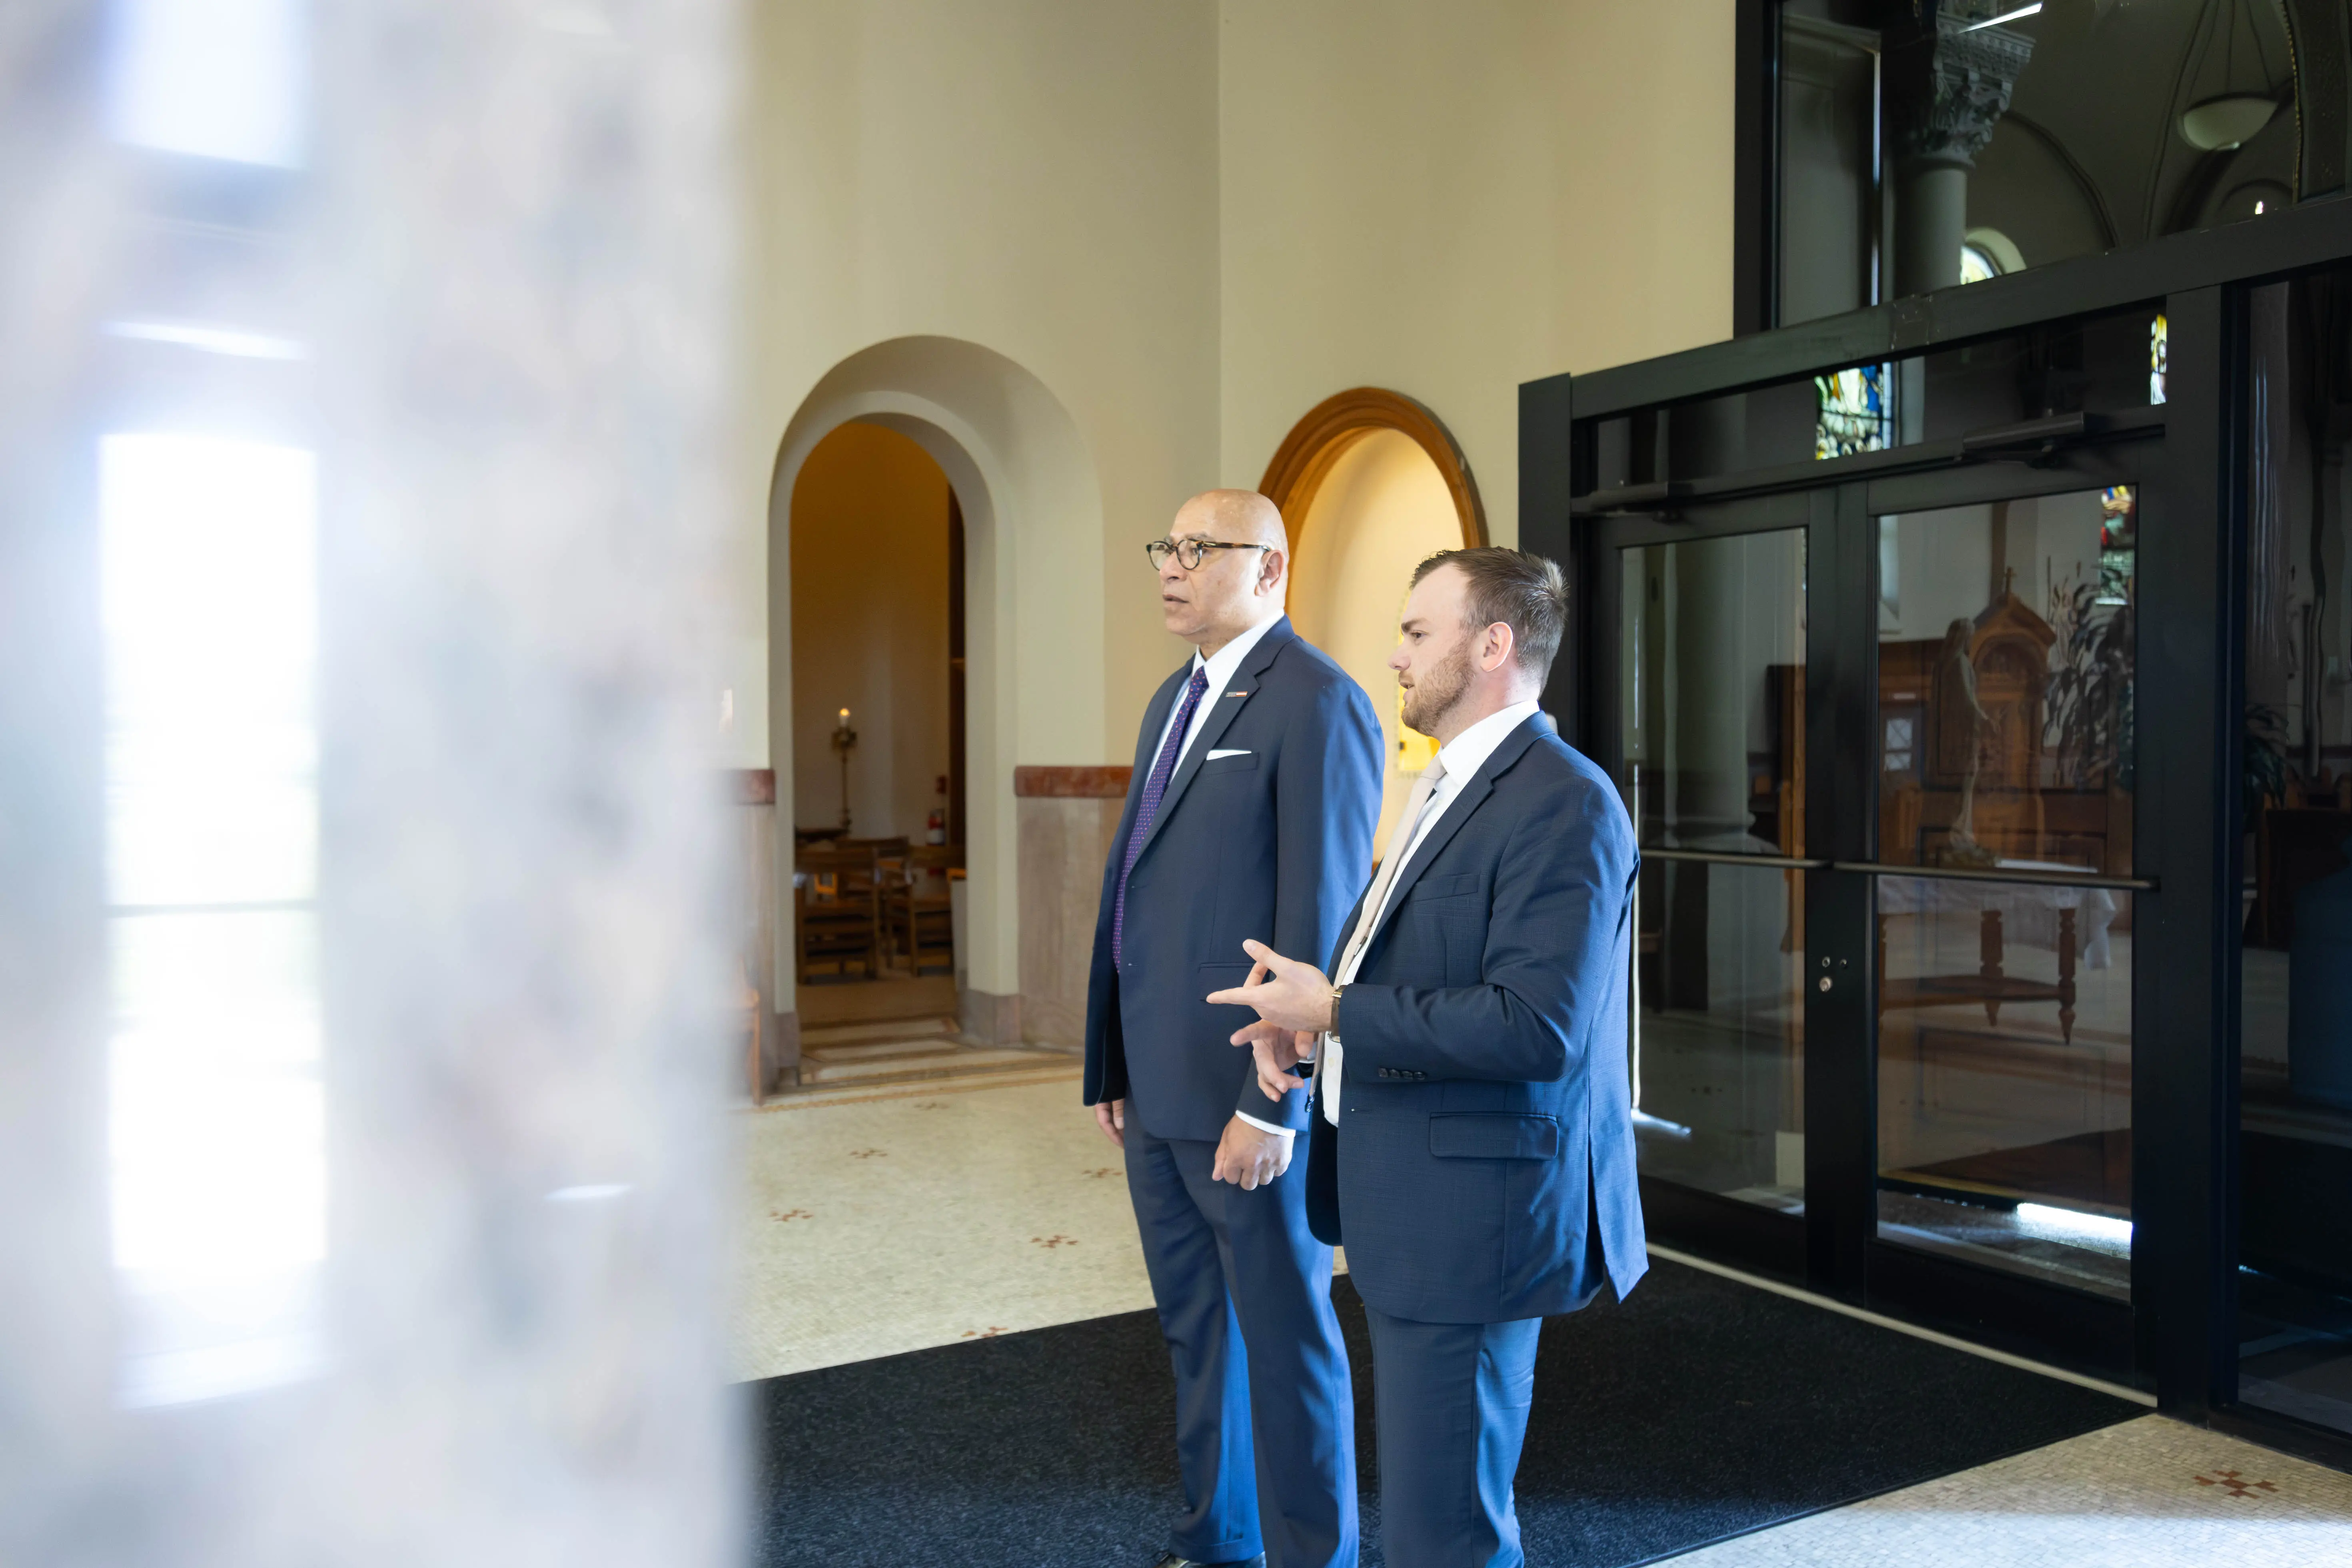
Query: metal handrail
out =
(1970, 874)
(1880, 869)
(1720, 857)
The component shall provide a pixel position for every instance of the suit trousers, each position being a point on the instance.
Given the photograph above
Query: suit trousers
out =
(1450, 1409)
(1244, 1296)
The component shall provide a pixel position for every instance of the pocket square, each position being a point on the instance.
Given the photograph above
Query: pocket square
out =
(1212, 756)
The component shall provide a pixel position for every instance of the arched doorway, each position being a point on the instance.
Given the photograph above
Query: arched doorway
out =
(1369, 483)
(878, 828)
(1030, 504)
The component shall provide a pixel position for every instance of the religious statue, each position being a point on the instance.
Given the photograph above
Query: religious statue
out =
(1956, 682)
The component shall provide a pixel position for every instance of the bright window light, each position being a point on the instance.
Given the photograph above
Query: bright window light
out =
(206, 557)
(2103, 1232)
(216, 1114)
(216, 78)
(2033, 10)
(231, 340)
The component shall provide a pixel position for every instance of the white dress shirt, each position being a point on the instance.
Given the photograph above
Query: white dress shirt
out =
(1462, 756)
(1220, 667)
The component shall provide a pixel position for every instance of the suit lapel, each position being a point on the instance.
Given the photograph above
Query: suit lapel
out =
(1348, 927)
(1227, 705)
(1458, 812)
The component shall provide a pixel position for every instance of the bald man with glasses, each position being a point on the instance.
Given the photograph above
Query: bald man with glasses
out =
(1257, 785)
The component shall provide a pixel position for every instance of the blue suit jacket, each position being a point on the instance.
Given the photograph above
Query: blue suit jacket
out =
(1270, 845)
(1483, 1167)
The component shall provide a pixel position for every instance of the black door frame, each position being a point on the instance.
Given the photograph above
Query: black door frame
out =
(2191, 582)
(1835, 1249)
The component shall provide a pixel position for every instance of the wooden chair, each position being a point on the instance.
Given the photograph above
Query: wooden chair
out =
(889, 870)
(837, 911)
(921, 925)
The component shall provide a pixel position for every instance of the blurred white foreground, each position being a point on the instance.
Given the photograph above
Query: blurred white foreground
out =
(363, 462)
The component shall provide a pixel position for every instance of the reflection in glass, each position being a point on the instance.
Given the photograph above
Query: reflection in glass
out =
(2005, 684)
(1718, 1059)
(1856, 415)
(2107, 364)
(1713, 762)
(1920, 149)
(2004, 1076)
(1714, 694)
(216, 1112)
(2295, 1283)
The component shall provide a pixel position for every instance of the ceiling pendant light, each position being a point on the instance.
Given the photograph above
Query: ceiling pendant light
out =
(2232, 116)
(2220, 123)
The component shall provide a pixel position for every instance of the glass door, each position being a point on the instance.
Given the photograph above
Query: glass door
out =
(2000, 906)
(2002, 752)
(1706, 717)
(1878, 743)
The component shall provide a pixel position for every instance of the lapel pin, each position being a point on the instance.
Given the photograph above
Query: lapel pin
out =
(1237, 694)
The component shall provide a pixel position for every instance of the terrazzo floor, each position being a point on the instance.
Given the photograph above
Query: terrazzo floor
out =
(924, 1215)
(932, 1213)
(2150, 1493)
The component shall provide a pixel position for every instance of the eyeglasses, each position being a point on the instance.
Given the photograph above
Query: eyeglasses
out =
(1189, 552)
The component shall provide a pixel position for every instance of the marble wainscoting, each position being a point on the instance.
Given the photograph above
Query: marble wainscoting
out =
(760, 899)
(1067, 818)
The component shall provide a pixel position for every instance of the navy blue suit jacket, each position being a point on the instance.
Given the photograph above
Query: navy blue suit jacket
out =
(1269, 844)
(1482, 1170)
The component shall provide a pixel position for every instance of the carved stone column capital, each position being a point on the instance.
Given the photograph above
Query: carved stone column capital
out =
(1970, 73)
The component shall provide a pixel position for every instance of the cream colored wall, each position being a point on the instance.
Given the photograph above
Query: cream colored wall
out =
(1038, 178)
(869, 542)
(1096, 257)
(1381, 509)
(1448, 200)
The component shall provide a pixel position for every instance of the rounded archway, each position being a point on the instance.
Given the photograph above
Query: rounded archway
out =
(1303, 461)
(1031, 508)
(1369, 484)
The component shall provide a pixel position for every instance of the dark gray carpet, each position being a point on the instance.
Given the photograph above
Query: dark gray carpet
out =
(1696, 1409)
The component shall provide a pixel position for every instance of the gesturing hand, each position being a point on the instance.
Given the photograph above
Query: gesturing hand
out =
(1283, 991)
(1278, 1051)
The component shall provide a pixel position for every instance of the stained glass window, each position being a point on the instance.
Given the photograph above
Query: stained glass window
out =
(2155, 360)
(1976, 264)
(1852, 412)
(2119, 533)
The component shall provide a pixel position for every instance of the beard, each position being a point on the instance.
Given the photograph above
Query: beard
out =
(1428, 700)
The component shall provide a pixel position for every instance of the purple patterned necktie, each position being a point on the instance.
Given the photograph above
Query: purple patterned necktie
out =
(1148, 806)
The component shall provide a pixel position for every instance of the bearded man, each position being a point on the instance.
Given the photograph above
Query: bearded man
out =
(1474, 1135)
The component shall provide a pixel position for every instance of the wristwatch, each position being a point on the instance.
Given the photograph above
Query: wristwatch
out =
(1335, 990)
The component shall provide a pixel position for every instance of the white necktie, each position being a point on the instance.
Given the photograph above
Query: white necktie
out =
(1416, 806)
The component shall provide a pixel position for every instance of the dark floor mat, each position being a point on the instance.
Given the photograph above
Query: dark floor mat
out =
(1699, 1408)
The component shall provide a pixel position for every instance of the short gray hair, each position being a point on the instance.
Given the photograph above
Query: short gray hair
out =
(1526, 592)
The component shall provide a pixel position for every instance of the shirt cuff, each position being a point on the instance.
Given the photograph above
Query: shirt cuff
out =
(1285, 1132)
